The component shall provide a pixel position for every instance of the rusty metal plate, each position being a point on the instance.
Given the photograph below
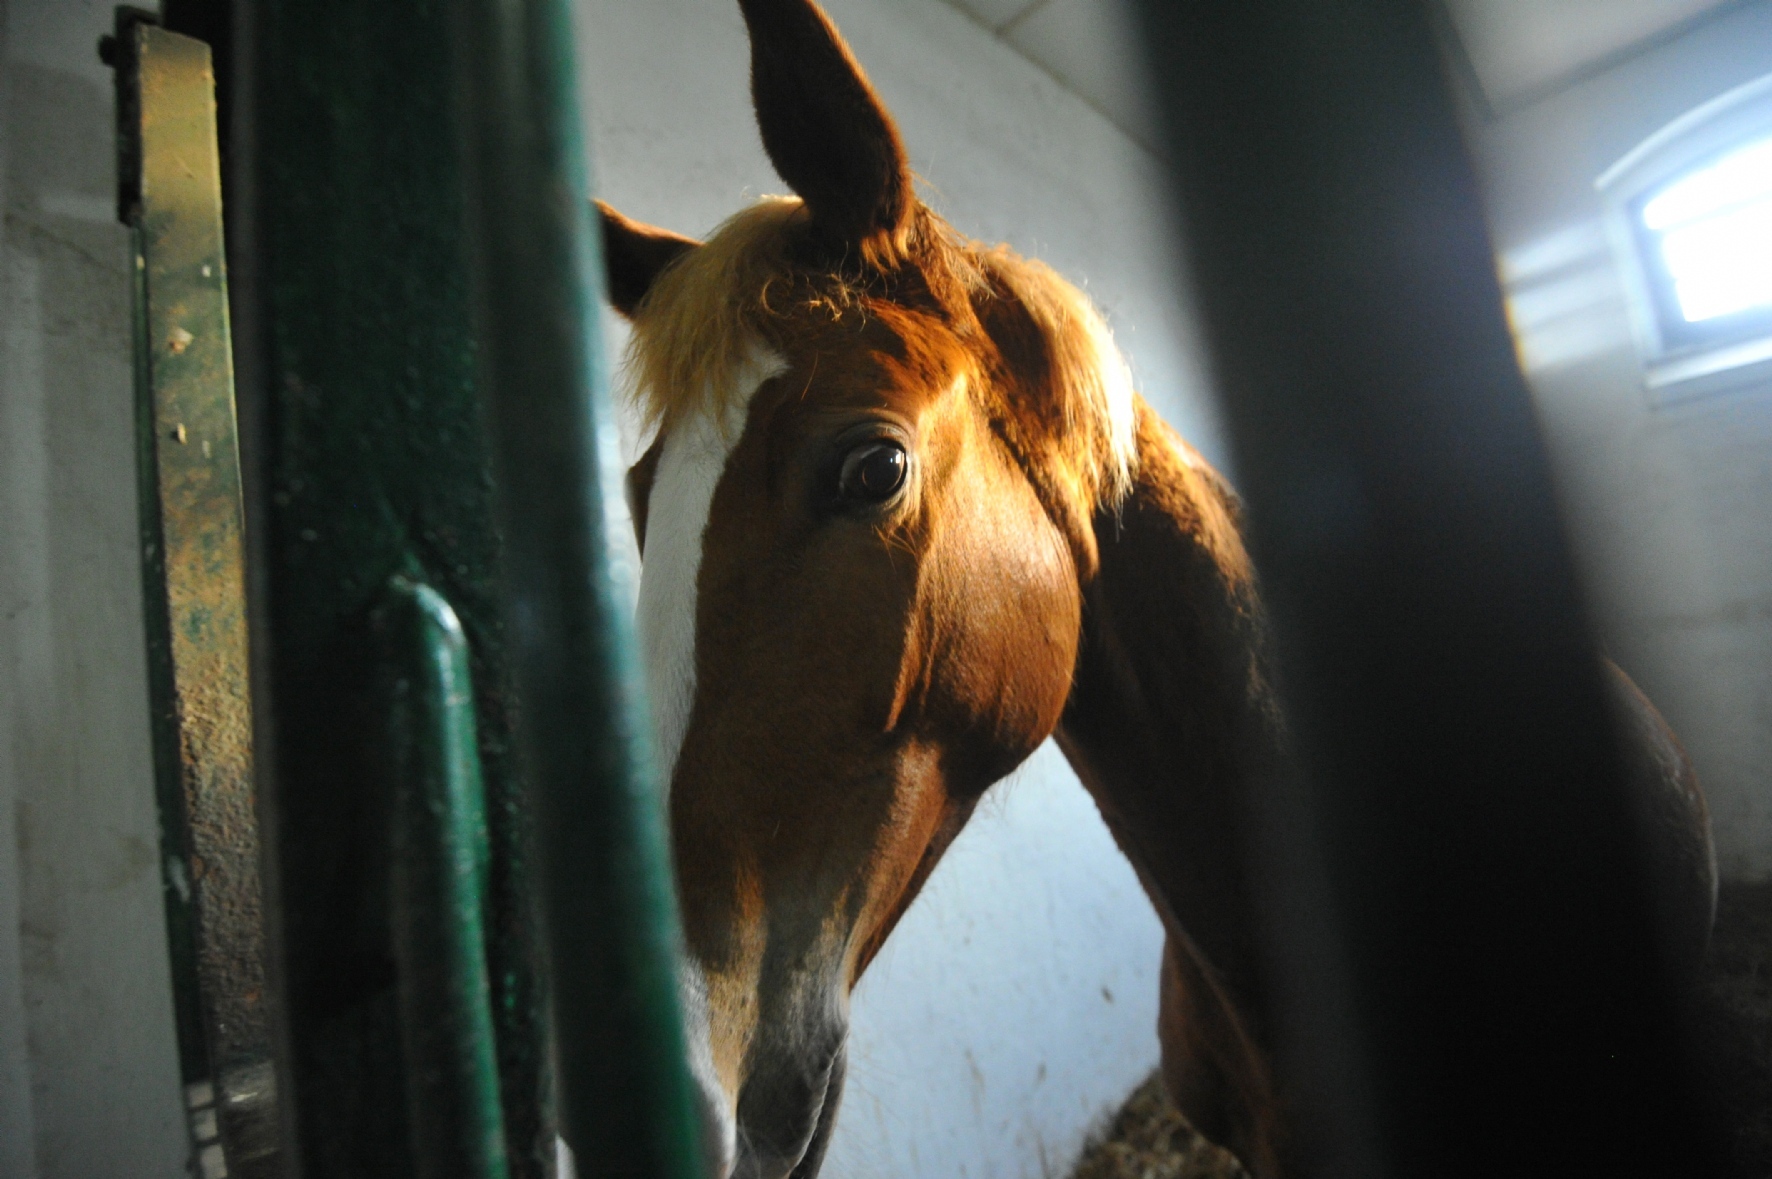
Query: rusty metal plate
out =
(195, 596)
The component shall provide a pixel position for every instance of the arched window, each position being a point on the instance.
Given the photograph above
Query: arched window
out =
(1690, 211)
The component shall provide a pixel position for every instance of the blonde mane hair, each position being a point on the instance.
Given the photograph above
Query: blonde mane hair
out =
(706, 314)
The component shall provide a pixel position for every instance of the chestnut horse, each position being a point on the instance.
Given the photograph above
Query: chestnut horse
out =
(904, 518)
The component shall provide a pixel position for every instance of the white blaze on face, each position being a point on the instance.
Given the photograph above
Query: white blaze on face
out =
(689, 468)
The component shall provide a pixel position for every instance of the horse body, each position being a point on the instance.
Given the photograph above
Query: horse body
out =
(902, 519)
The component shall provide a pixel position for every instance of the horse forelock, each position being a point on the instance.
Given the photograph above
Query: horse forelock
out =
(1069, 392)
(702, 318)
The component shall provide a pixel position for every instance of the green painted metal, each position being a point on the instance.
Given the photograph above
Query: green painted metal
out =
(358, 345)
(194, 588)
(627, 1102)
(439, 875)
(401, 300)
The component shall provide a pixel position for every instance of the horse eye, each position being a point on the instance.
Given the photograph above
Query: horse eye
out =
(872, 472)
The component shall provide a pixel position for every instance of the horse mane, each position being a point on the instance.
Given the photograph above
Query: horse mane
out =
(708, 311)
(1076, 384)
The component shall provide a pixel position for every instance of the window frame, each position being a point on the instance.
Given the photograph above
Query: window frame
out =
(1680, 359)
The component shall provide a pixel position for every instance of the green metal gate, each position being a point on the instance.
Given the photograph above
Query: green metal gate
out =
(413, 539)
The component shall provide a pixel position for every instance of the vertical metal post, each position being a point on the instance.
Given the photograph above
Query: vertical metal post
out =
(374, 462)
(1462, 938)
(627, 1103)
(194, 590)
(397, 293)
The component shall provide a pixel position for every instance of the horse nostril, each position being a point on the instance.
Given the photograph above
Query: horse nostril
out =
(786, 1114)
(812, 1160)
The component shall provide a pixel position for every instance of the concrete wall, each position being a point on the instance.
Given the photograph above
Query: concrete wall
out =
(1016, 1004)
(88, 1074)
(1671, 506)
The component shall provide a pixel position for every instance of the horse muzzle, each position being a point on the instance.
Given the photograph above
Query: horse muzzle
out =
(786, 1114)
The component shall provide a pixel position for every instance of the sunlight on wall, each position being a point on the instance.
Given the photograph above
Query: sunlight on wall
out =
(1564, 298)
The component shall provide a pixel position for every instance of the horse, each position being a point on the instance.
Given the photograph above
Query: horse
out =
(903, 517)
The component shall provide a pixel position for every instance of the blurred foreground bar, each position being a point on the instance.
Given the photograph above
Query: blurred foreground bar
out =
(1461, 941)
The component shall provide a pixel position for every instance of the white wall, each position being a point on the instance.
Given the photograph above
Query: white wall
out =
(1672, 506)
(1016, 1004)
(88, 1073)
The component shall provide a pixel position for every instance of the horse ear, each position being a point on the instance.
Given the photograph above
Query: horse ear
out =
(826, 131)
(634, 255)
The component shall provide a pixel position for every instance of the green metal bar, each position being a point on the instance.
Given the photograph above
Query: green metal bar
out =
(439, 867)
(194, 589)
(374, 462)
(627, 1102)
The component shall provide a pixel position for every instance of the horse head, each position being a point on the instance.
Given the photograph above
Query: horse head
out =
(902, 518)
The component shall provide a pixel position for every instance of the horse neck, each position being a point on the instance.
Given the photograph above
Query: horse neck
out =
(1172, 716)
